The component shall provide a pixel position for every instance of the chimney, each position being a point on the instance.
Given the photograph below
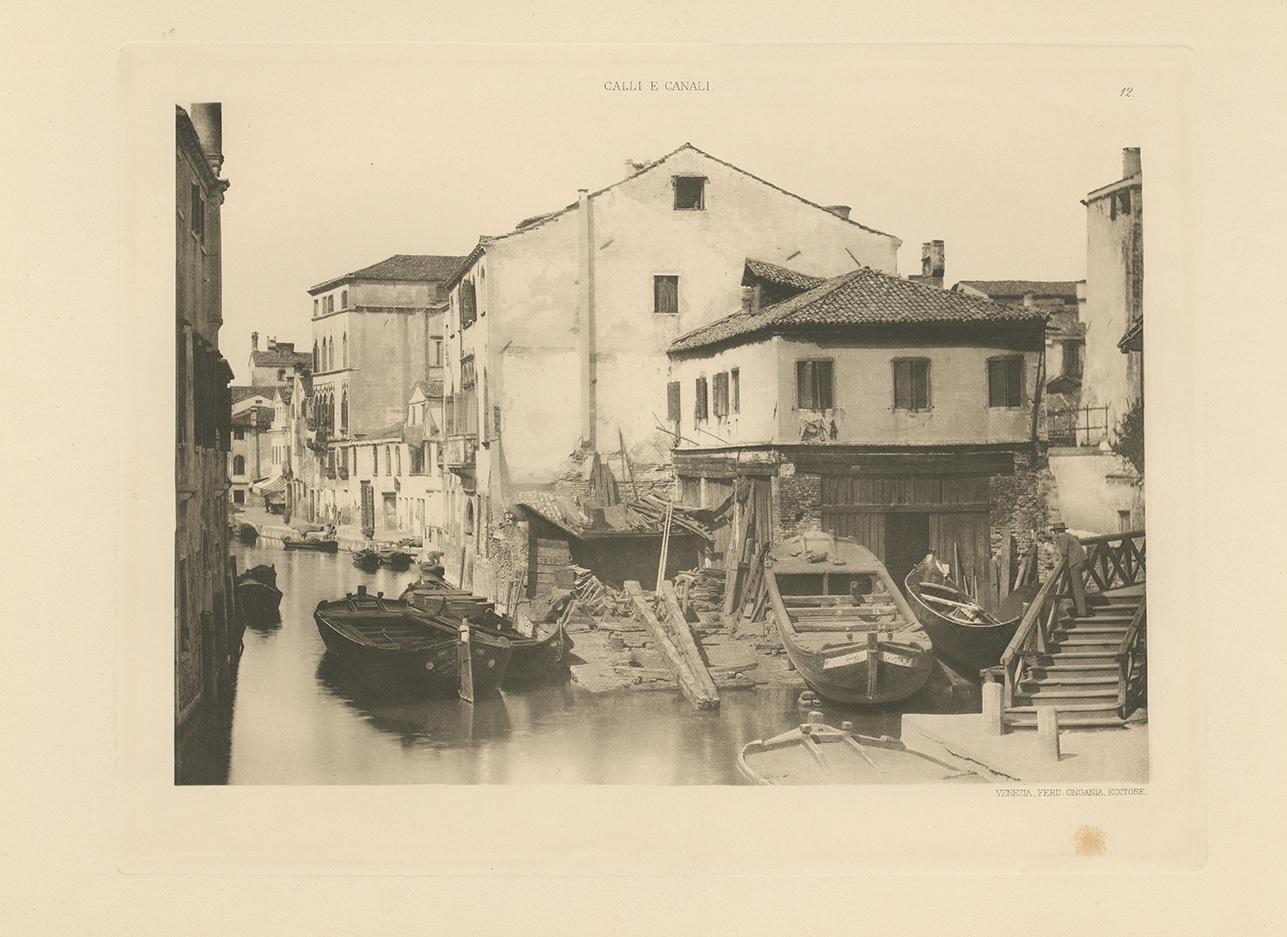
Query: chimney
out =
(1130, 162)
(751, 299)
(933, 263)
(207, 120)
(254, 341)
(840, 211)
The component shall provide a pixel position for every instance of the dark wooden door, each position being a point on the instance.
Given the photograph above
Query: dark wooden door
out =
(907, 540)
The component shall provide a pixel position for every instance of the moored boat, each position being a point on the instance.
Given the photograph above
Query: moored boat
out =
(397, 560)
(389, 640)
(960, 628)
(816, 753)
(545, 654)
(258, 595)
(321, 545)
(366, 560)
(844, 624)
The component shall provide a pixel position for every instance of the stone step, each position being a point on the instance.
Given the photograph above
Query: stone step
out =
(1025, 721)
(1099, 618)
(1075, 708)
(1118, 630)
(1088, 678)
(1105, 694)
(1107, 642)
(1080, 654)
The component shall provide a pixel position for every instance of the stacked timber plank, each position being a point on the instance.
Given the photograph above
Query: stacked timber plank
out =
(597, 597)
(701, 589)
(672, 638)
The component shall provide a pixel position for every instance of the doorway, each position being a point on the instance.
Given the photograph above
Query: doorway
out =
(906, 542)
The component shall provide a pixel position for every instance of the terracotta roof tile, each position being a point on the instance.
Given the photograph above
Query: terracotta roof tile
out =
(401, 267)
(995, 288)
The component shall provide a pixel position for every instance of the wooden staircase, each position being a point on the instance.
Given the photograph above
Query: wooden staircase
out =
(1089, 670)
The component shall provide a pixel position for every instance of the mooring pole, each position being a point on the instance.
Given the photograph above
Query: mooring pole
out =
(464, 663)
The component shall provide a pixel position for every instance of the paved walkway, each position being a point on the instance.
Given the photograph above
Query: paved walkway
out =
(1103, 755)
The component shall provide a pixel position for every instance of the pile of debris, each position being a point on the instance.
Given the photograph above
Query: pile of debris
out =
(598, 598)
(701, 589)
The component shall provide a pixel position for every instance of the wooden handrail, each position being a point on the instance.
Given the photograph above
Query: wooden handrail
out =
(1033, 613)
(1108, 538)
(1132, 632)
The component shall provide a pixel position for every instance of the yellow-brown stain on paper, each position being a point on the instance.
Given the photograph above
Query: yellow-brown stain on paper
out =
(1089, 841)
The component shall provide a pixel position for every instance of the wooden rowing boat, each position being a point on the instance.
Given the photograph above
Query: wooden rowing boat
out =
(816, 753)
(397, 560)
(366, 560)
(543, 655)
(258, 596)
(321, 546)
(389, 640)
(960, 628)
(843, 622)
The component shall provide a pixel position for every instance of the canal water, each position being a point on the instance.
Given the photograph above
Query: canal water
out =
(298, 718)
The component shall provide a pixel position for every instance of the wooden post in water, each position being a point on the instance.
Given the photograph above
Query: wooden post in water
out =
(1048, 733)
(465, 663)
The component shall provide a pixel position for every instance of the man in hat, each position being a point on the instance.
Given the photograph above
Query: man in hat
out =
(1068, 547)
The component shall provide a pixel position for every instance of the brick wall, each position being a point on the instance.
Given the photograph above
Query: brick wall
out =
(1026, 501)
(797, 500)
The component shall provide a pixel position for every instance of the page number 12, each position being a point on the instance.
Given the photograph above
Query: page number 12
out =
(1127, 92)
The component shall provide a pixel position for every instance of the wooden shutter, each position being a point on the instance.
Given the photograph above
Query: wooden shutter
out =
(804, 385)
(672, 401)
(920, 385)
(735, 391)
(902, 385)
(822, 384)
(700, 406)
(721, 394)
(1014, 376)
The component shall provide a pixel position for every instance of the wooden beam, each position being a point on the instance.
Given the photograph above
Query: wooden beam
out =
(688, 683)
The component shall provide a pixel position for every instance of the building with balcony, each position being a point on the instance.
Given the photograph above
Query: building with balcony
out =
(205, 627)
(557, 331)
(874, 407)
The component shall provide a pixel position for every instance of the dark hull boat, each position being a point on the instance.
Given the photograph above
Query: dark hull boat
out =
(541, 656)
(395, 559)
(366, 560)
(387, 640)
(321, 546)
(258, 595)
(815, 753)
(843, 622)
(960, 628)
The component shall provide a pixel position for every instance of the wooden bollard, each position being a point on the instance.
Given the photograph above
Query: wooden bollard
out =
(993, 708)
(465, 663)
(1048, 732)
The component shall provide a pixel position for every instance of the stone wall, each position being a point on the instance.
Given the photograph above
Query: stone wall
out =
(1023, 502)
(797, 502)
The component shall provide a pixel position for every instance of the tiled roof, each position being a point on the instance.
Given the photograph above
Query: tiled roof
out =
(430, 389)
(284, 392)
(401, 267)
(537, 221)
(260, 417)
(763, 270)
(276, 358)
(242, 392)
(995, 288)
(861, 297)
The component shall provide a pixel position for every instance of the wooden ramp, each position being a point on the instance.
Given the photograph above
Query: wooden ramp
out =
(675, 642)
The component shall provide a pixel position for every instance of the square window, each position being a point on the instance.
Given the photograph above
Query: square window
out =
(813, 387)
(912, 384)
(665, 295)
(690, 193)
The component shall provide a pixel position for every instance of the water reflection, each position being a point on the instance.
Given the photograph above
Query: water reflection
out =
(300, 718)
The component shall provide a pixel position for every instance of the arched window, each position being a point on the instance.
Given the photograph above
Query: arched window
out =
(317, 360)
(239, 465)
(469, 515)
(388, 461)
(333, 421)
(344, 347)
(344, 411)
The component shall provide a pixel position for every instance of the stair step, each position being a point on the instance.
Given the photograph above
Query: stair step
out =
(1097, 619)
(1067, 708)
(1090, 640)
(1061, 668)
(1105, 679)
(1079, 654)
(1078, 722)
(1119, 630)
(1104, 694)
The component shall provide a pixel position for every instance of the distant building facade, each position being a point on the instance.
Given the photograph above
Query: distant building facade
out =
(1099, 491)
(557, 331)
(275, 365)
(877, 408)
(250, 451)
(377, 333)
(205, 637)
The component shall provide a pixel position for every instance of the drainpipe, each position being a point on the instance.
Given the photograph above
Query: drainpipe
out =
(585, 316)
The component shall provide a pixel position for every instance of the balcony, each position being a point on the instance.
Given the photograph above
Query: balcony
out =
(458, 451)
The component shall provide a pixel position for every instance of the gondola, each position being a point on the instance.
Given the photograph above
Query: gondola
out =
(544, 655)
(387, 640)
(396, 560)
(844, 624)
(320, 545)
(815, 753)
(960, 628)
(366, 560)
(258, 595)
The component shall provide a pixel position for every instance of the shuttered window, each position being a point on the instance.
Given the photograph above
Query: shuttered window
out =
(721, 394)
(1005, 382)
(911, 384)
(813, 385)
(468, 304)
(665, 294)
(672, 401)
(735, 391)
(700, 411)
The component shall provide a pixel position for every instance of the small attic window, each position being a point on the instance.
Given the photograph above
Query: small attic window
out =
(690, 193)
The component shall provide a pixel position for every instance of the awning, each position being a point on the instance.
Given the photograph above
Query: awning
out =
(273, 484)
